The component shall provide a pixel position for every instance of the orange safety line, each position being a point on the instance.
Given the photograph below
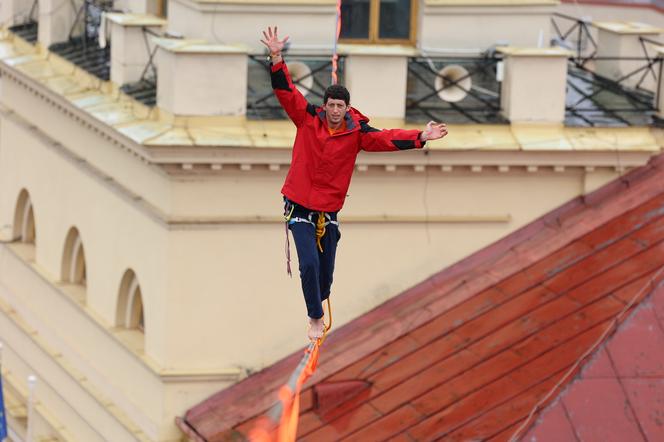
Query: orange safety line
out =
(280, 423)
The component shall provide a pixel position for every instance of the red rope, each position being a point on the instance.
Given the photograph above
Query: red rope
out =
(335, 56)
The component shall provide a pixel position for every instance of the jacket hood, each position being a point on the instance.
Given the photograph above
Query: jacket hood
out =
(353, 117)
(357, 115)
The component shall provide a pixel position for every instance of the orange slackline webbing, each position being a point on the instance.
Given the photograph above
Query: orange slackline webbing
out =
(280, 423)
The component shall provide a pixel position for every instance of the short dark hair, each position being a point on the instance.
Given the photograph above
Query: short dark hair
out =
(337, 92)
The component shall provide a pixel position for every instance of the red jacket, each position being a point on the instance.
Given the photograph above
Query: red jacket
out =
(322, 164)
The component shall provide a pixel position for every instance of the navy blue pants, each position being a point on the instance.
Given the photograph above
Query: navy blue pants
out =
(316, 267)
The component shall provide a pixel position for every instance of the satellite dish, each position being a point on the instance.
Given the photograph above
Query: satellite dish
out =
(445, 84)
(302, 72)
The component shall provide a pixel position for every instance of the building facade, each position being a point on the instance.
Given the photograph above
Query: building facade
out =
(142, 266)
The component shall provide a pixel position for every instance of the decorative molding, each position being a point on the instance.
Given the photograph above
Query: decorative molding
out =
(452, 162)
(63, 106)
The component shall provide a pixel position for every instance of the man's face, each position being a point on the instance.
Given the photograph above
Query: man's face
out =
(335, 110)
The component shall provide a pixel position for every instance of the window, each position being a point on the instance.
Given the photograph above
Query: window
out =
(378, 21)
(129, 313)
(160, 8)
(73, 259)
(24, 219)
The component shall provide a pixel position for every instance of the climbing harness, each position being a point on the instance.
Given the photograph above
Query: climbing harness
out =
(324, 219)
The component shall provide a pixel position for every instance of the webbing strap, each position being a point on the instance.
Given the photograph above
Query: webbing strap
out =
(280, 423)
(297, 219)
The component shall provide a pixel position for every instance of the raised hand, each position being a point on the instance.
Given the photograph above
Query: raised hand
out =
(272, 42)
(434, 131)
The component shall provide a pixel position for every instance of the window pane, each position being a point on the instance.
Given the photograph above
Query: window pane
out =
(394, 19)
(355, 18)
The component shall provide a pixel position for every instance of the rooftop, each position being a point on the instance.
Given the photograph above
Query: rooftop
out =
(469, 352)
(625, 380)
(153, 127)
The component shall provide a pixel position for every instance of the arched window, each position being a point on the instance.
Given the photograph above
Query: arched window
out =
(73, 259)
(24, 219)
(129, 313)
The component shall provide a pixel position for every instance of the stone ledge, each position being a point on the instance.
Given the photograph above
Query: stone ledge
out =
(534, 52)
(136, 19)
(491, 2)
(628, 28)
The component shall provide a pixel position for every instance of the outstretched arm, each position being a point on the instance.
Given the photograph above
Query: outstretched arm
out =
(288, 95)
(375, 140)
(433, 131)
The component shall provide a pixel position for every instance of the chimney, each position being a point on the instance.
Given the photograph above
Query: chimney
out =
(623, 40)
(534, 86)
(200, 79)
(130, 52)
(56, 19)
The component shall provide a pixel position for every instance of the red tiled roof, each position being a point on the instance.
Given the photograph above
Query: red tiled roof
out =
(619, 396)
(469, 352)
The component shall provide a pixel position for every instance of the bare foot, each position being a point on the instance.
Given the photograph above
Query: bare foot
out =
(316, 328)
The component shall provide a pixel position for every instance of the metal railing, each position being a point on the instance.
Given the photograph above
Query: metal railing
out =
(82, 45)
(574, 34)
(28, 28)
(454, 90)
(606, 90)
(316, 75)
(145, 89)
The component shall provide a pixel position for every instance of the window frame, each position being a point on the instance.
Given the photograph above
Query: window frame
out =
(374, 27)
(25, 230)
(162, 8)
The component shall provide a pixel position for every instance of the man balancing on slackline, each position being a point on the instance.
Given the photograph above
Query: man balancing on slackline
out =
(327, 142)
